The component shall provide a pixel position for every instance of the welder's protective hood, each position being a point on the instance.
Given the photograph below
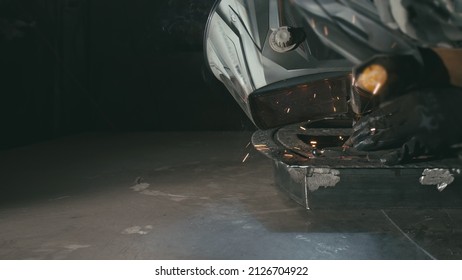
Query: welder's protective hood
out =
(290, 61)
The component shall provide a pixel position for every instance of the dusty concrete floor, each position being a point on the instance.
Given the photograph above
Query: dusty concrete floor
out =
(189, 196)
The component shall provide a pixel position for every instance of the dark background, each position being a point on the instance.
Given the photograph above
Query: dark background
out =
(73, 66)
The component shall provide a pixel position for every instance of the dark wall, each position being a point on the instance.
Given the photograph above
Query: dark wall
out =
(108, 65)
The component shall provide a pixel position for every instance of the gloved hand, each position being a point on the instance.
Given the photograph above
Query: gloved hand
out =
(423, 122)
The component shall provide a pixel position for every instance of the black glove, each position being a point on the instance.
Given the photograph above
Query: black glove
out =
(423, 122)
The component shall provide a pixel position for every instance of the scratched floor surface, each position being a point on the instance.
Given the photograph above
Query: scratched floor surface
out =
(189, 196)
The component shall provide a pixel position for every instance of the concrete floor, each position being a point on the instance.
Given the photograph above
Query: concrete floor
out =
(189, 196)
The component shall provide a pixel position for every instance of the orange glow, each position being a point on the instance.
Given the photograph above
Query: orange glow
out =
(372, 78)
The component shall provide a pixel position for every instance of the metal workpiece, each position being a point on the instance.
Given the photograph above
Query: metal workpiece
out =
(317, 172)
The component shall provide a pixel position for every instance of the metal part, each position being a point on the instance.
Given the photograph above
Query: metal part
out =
(346, 178)
(286, 38)
(281, 40)
(321, 177)
(437, 176)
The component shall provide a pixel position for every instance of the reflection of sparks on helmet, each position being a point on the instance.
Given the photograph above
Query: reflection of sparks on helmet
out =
(246, 157)
(287, 110)
(302, 128)
(313, 143)
(288, 155)
(326, 31)
(376, 89)
(353, 19)
(313, 23)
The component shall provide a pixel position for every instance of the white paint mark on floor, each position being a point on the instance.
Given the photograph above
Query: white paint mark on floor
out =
(174, 197)
(247, 227)
(140, 187)
(329, 249)
(74, 247)
(163, 168)
(138, 230)
(143, 188)
(303, 238)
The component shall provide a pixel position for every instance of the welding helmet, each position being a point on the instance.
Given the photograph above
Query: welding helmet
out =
(430, 23)
(291, 61)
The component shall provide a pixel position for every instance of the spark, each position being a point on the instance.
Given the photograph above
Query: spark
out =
(261, 147)
(353, 19)
(247, 145)
(302, 128)
(287, 110)
(340, 137)
(393, 45)
(314, 143)
(288, 155)
(326, 31)
(376, 89)
(335, 109)
(246, 157)
(315, 95)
